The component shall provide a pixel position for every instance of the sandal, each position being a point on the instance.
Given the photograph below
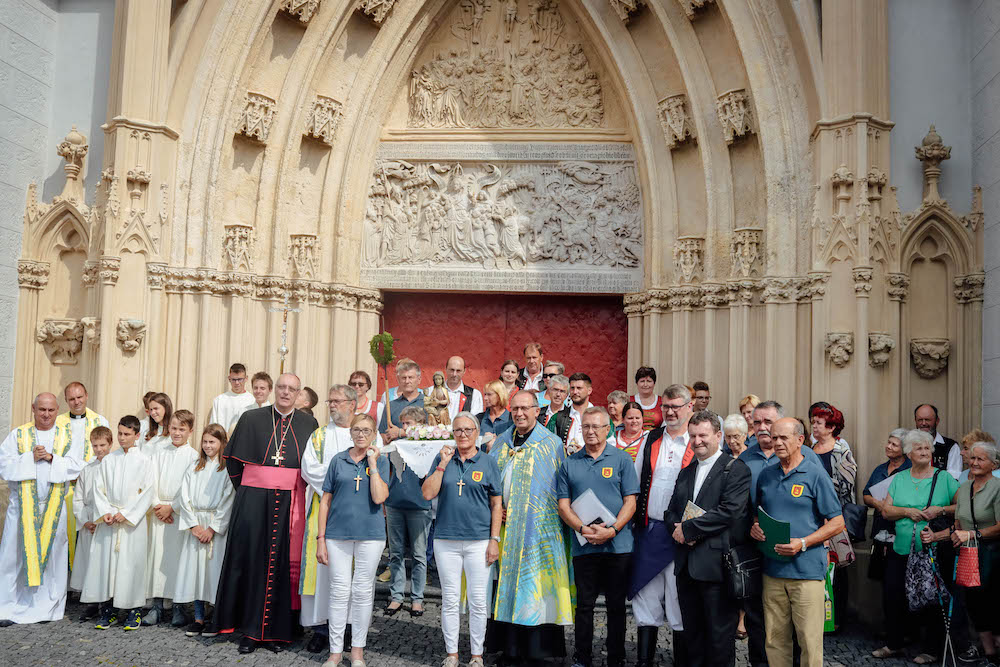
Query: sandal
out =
(392, 611)
(925, 659)
(885, 652)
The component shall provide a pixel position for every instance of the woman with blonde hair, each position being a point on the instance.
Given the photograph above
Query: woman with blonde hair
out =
(495, 419)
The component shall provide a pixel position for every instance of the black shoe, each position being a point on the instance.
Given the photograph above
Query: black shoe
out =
(90, 612)
(276, 647)
(210, 630)
(646, 646)
(416, 613)
(680, 648)
(317, 643)
(390, 612)
(195, 629)
(247, 645)
(970, 655)
(6, 623)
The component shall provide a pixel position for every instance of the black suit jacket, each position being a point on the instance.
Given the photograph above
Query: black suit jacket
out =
(725, 497)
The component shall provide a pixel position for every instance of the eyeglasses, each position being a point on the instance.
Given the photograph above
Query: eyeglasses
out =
(673, 408)
(234, 380)
(519, 408)
(333, 401)
(362, 383)
(362, 431)
(549, 375)
(593, 427)
(463, 431)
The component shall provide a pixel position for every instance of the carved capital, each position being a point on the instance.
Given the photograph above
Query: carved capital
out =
(839, 347)
(747, 252)
(625, 8)
(899, 286)
(130, 334)
(302, 10)
(686, 297)
(862, 280)
(814, 286)
(256, 117)
(930, 356)
(302, 255)
(741, 292)
(376, 9)
(155, 274)
(691, 7)
(735, 115)
(635, 304)
(675, 119)
(688, 254)
(781, 289)
(91, 330)
(715, 295)
(62, 340)
(970, 288)
(842, 176)
(32, 274)
(107, 269)
(879, 347)
(237, 247)
(324, 118)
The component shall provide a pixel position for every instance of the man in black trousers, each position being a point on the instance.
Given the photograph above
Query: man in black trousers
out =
(720, 488)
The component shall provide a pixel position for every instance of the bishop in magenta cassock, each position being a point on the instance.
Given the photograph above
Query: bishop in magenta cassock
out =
(260, 573)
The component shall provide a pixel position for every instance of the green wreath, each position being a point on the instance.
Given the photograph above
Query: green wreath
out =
(381, 348)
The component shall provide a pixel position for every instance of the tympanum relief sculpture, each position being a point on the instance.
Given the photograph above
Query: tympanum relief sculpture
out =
(513, 67)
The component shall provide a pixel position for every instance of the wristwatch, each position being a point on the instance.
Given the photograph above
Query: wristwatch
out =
(496, 538)
(804, 547)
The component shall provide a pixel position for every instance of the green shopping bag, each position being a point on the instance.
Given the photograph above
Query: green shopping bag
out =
(829, 620)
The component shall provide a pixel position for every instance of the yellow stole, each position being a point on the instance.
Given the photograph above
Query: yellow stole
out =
(91, 421)
(307, 576)
(38, 532)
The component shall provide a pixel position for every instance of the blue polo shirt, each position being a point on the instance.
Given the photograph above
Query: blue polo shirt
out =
(466, 516)
(353, 513)
(396, 406)
(612, 477)
(805, 498)
(497, 426)
(404, 490)
(754, 457)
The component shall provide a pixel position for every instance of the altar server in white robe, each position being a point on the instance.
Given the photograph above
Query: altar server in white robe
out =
(123, 494)
(84, 509)
(157, 435)
(37, 460)
(144, 417)
(326, 442)
(206, 501)
(228, 406)
(165, 539)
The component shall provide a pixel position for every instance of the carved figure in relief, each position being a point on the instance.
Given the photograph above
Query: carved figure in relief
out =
(509, 19)
(436, 402)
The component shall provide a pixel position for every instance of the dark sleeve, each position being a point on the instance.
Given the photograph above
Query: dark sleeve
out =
(331, 477)
(383, 424)
(870, 484)
(382, 465)
(827, 502)
(562, 483)
(674, 509)
(496, 484)
(630, 481)
(732, 505)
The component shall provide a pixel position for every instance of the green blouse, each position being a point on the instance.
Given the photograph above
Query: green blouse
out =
(909, 492)
(986, 503)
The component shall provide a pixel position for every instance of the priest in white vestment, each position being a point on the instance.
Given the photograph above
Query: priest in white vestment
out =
(37, 460)
(326, 442)
(123, 493)
(165, 540)
(228, 406)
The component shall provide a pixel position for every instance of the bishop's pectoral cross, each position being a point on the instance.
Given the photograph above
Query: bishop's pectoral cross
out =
(278, 457)
(357, 482)
(460, 484)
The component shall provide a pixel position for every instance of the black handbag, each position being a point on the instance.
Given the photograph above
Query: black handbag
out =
(855, 520)
(744, 564)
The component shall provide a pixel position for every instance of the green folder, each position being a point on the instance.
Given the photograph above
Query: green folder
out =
(775, 532)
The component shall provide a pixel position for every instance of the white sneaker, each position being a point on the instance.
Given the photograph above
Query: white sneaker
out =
(476, 662)
(450, 661)
(331, 663)
(358, 663)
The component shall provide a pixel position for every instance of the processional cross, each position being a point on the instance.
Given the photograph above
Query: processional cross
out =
(284, 310)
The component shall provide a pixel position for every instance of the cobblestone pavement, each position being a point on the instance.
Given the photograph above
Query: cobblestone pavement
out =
(401, 641)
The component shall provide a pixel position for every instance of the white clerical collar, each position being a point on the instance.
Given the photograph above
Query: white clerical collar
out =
(75, 416)
(710, 461)
(283, 415)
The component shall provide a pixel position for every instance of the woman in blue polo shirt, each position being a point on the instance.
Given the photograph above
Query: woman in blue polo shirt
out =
(352, 531)
(466, 482)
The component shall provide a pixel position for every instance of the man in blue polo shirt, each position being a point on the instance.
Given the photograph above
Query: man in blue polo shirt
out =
(601, 563)
(797, 491)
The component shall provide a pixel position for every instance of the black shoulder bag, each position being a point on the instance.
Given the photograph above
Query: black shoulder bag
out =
(744, 563)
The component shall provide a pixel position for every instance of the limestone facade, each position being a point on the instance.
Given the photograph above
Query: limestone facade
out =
(714, 162)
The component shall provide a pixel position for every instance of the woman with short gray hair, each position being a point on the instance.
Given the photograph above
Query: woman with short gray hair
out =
(616, 403)
(735, 429)
(977, 523)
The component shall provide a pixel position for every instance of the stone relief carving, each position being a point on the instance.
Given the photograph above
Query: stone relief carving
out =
(839, 347)
(130, 334)
(92, 330)
(930, 356)
(376, 9)
(256, 117)
(324, 118)
(970, 288)
(503, 215)
(746, 252)
(862, 280)
(691, 7)
(303, 10)
(31, 274)
(302, 255)
(62, 340)
(879, 347)
(899, 286)
(678, 126)
(782, 289)
(513, 71)
(735, 115)
(688, 255)
(625, 8)
(237, 247)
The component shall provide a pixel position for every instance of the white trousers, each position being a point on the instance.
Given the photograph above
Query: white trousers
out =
(352, 595)
(453, 557)
(656, 603)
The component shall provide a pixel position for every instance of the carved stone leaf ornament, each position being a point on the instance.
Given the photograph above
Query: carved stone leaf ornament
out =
(32, 274)
(678, 126)
(130, 334)
(688, 257)
(324, 118)
(92, 330)
(62, 340)
(839, 347)
(735, 115)
(930, 356)
(255, 119)
(879, 347)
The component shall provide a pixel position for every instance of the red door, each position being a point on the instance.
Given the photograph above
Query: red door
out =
(586, 333)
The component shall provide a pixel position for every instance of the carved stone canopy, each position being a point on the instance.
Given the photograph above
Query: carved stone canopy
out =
(688, 257)
(879, 347)
(676, 121)
(839, 347)
(376, 9)
(930, 356)
(62, 340)
(256, 117)
(747, 252)
(324, 118)
(625, 8)
(302, 10)
(237, 247)
(735, 115)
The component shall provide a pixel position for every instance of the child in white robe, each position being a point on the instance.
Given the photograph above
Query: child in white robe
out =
(123, 494)
(206, 499)
(86, 515)
(157, 435)
(165, 540)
